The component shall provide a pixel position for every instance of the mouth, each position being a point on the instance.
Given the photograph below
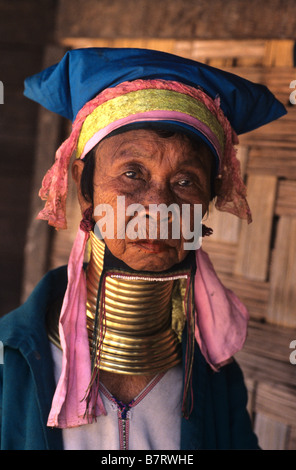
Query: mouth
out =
(151, 246)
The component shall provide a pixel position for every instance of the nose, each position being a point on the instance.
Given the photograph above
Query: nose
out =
(159, 192)
(156, 202)
(160, 211)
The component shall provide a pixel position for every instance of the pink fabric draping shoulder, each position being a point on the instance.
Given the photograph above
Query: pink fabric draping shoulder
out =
(68, 407)
(221, 319)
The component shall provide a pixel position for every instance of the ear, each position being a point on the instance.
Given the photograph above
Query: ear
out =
(77, 169)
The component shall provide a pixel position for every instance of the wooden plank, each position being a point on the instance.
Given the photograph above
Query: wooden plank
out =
(253, 294)
(280, 133)
(286, 198)
(252, 48)
(265, 356)
(227, 53)
(201, 50)
(251, 387)
(279, 53)
(204, 50)
(277, 79)
(178, 19)
(226, 227)
(281, 308)
(265, 369)
(276, 401)
(277, 141)
(272, 435)
(280, 162)
(222, 254)
(271, 341)
(253, 252)
(292, 438)
(242, 61)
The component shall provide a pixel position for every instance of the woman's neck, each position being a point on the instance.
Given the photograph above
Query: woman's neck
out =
(132, 322)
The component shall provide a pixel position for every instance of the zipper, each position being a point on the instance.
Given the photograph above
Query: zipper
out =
(123, 424)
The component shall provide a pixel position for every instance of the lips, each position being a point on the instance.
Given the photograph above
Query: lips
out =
(152, 246)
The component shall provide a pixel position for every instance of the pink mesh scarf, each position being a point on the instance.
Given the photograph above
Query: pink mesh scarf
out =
(220, 318)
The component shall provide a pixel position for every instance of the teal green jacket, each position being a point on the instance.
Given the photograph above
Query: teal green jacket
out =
(219, 419)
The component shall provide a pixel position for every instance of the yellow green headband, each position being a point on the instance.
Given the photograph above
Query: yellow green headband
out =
(149, 105)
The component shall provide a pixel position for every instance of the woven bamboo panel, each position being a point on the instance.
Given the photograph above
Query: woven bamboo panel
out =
(266, 249)
(282, 300)
(271, 382)
(261, 266)
(258, 262)
(252, 259)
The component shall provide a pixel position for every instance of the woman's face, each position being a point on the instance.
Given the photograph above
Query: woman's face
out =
(148, 169)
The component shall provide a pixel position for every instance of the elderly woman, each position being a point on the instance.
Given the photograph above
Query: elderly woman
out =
(133, 350)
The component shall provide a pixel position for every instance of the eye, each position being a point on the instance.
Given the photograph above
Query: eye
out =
(133, 172)
(184, 182)
(130, 174)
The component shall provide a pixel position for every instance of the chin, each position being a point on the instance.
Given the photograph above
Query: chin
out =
(151, 262)
(150, 266)
(146, 258)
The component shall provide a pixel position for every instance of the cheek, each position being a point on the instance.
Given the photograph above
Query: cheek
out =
(117, 247)
(191, 227)
(104, 204)
(106, 214)
(192, 218)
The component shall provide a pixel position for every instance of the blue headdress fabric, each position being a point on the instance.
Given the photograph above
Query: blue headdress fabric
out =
(64, 88)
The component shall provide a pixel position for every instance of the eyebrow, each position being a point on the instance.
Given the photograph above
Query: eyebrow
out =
(131, 152)
(194, 162)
